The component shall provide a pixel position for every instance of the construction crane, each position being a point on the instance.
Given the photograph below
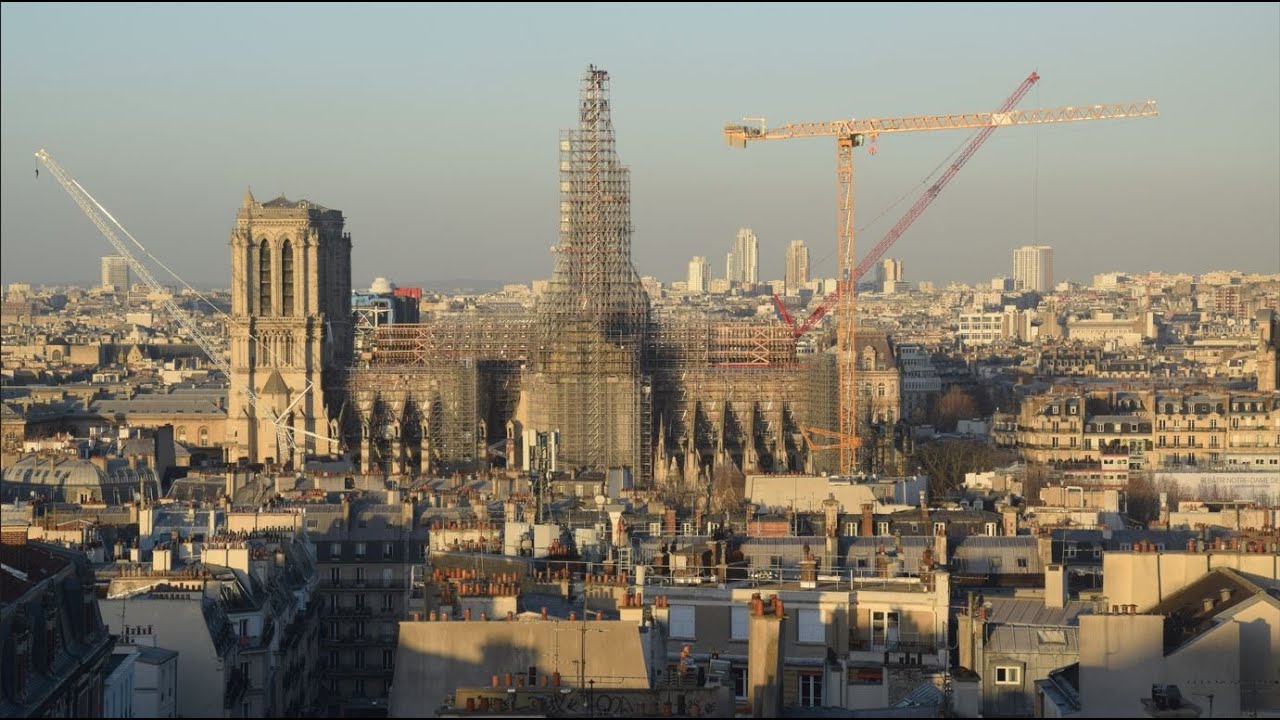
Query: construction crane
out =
(854, 133)
(100, 217)
(869, 260)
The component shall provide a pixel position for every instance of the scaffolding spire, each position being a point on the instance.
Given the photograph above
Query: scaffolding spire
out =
(595, 317)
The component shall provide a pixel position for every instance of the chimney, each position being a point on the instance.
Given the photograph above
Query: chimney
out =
(808, 570)
(1056, 593)
(831, 515)
(1225, 594)
(924, 507)
(162, 558)
(1208, 604)
(867, 528)
(669, 522)
(764, 658)
(940, 549)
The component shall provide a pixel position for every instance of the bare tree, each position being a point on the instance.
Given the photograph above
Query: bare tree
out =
(947, 461)
(955, 405)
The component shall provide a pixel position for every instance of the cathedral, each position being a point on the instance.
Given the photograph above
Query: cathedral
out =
(592, 379)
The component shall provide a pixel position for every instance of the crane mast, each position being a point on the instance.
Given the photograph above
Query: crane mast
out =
(854, 133)
(100, 216)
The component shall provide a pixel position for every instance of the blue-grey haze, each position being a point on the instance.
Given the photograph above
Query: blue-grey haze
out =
(434, 129)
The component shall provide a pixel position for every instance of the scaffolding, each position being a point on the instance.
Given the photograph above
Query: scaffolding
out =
(679, 397)
(588, 382)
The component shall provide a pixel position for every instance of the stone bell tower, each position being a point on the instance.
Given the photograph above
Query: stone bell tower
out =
(290, 328)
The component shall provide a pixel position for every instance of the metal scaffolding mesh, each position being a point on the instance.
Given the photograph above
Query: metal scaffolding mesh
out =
(594, 320)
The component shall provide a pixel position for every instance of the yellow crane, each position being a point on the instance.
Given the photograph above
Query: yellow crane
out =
(854, 133)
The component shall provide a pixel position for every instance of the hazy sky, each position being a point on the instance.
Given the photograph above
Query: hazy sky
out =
(434, 129)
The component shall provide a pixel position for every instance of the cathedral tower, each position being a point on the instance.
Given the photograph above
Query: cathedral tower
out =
(290, 328)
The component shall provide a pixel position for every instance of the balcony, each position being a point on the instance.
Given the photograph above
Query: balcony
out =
(351, 611)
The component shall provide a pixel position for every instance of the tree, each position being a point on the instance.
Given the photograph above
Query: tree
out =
(947, 461)
(955, 405)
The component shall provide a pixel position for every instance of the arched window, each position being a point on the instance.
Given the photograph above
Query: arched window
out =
(264, 278)
(182, 433)
(204, 437)
(286, 277)
(880, 390)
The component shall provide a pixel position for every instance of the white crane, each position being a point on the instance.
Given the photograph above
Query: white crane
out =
(100, 217)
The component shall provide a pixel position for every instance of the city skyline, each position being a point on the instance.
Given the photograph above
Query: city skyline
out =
(403, 164)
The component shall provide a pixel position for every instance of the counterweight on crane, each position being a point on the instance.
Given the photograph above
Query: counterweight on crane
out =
(854, 133)
(104, 222)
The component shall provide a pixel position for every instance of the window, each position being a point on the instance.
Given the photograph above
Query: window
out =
(682, 621)
(1022, 563)
(1009, 675)
(882, 527)
(387, 602)
(333, 629)
(939, 528)
(286, 278)
(851, 529)
(810, 690)
(359, 659)
(809, 629)
(686, 528)
(739, 683)
(884, 629)
(388, 659)
(655, 528)
(335, 551)
(738, 623)
(333, 604)
(360, 629)
(360, 548)
(204, 436)
(359, 576)
(990, 529)
(264, 278)
(360, 600)
(335, 576)
(387, 551)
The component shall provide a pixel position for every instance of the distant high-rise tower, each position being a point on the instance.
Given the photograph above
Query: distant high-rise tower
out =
(1033, 268)
(743, 265)
(889, 274)
(797, 265)
(588, 384)
(290, 327)
(890, 270)
(699, 275)
(115, 273)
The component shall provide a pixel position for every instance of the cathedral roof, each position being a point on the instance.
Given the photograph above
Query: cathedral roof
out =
(285, 203)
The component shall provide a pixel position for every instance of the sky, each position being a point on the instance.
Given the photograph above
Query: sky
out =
(435, 130)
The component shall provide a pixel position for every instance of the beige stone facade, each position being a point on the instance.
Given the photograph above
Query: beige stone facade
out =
(290, 327)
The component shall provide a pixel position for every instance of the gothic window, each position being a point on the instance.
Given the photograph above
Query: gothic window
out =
(264, 278)
(286, 277)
